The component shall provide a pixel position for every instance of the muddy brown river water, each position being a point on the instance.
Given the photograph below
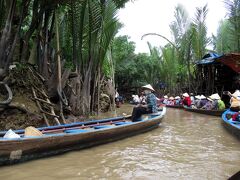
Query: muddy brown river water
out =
(185, 146)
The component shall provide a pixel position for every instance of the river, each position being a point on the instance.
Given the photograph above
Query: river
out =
(185, 146)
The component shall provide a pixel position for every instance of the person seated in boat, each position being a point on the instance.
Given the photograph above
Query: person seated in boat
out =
(177, 100)
(136, 99)
(186, 100)
(235, 101)
(165, 100)
(214, 98)
(197, 102)
(203, 101)
(208, 105)
(149, 107)
(142, 98)
(171, 101)
(218, 104)
(221, 104)
(192, 98)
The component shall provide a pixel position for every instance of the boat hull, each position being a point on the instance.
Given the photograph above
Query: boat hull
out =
(14, 151)
(175, 106)
(231, 127)
(204, 111)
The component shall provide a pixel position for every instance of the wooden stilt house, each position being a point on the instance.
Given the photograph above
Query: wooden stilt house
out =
(218, 73)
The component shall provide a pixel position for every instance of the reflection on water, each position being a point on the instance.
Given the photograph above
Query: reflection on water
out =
(186, 146)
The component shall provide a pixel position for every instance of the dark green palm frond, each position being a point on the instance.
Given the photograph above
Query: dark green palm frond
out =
(233, 8)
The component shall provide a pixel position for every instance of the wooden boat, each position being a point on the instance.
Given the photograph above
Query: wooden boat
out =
(175, 106)
(232, 126)
(204, 111)
(60, 139)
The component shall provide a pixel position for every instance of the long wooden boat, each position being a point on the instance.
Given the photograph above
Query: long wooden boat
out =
(175, 106)
(204, 111)
(60, 139)
(232, 126)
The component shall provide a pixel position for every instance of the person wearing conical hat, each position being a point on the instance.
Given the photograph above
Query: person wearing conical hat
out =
(235, 101)
(203, 101)
(165, 99)
(197, 102)
(142, 98)
(186, 100)
(192, 99)
(149, 107)
(209, 104)
(171, 101)
(214, 98)
(218, 104)
(177, 100)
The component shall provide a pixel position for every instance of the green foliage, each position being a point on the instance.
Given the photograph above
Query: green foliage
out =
(200, 39)
(233, 8)
(171, 64)
(222, 41)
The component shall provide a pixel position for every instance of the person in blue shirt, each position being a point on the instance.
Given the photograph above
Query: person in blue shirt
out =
(149, 107)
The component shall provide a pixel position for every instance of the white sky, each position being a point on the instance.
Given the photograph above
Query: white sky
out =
(154, 16)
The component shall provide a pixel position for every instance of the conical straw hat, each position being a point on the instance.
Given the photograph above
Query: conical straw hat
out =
(215, 96)
(236, 93)
(32, 131)
(186, 95)
(198, 97)
(148, 87)
(209, 99)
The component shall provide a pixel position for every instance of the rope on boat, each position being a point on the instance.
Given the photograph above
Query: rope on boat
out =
(10, 95)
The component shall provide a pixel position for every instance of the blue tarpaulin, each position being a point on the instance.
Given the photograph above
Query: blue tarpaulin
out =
(209, 58)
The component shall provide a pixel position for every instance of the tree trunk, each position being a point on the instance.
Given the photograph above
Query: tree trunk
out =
(5, 38)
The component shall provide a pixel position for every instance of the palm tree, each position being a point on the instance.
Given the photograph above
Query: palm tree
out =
(200, 40)
(233, 7)
(98, 25)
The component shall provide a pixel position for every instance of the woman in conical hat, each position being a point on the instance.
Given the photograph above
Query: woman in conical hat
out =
(203, 101)
(214, 98)
(149, 107)
(177, 100)
(209, 104)
(235, 101)
(186, 100)
(185, 95)
(218, 104)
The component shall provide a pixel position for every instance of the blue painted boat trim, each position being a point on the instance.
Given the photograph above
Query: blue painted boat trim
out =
(70, 125)
(102, 128)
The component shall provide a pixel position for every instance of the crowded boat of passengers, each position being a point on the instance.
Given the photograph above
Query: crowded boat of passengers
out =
(212, 102)
(198, 102)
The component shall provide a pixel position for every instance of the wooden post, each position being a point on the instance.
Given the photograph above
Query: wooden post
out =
(59, 72)
(58, 56)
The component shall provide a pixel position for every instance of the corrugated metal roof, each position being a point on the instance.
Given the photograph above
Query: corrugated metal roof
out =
(231, 60)
(208, 58)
